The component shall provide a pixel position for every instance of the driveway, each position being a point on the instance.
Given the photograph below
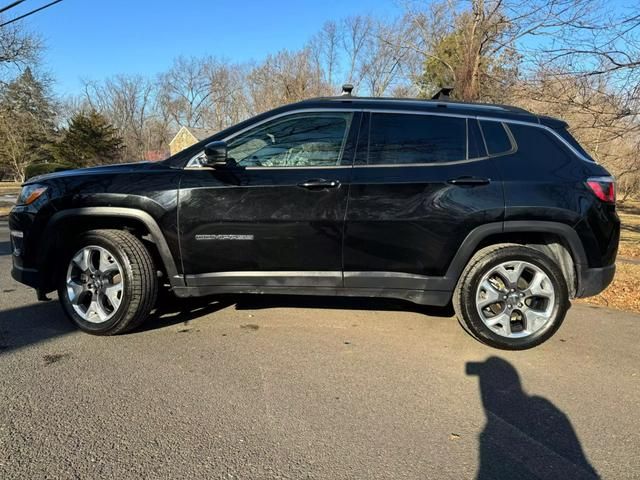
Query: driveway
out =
(286, 387)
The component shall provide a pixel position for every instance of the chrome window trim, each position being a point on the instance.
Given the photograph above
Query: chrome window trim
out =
(280, 115)
(466, 132)
(512, 140)
(425, 164)
(543, 127)
(430, 164)
(400, 111)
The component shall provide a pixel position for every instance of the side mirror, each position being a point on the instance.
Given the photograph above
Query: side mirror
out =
(215, 154)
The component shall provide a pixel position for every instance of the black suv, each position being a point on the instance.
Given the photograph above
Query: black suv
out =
(490, 207)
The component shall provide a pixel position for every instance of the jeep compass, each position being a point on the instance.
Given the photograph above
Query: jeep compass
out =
(488, 207)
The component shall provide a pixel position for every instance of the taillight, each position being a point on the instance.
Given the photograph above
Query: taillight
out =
(603, 187)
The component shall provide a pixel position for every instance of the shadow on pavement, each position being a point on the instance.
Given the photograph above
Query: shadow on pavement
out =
(5, 248)
(257, 302)
(525, 437)
(171, 310)
(28, 325)
(31, 324)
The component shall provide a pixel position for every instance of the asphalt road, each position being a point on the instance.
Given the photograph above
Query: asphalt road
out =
(279, 387)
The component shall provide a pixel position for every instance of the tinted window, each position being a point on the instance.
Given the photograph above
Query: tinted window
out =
(496, 137)
(307, 140)
(538, 145)
(476, 145)
(403, 138)
(564, 133)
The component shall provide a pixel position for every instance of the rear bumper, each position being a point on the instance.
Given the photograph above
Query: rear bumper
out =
(592, 281)
(28, 276)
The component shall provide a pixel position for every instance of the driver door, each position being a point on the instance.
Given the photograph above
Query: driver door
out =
(277, 218)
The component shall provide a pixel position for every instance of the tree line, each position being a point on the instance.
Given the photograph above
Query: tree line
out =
(575, 59)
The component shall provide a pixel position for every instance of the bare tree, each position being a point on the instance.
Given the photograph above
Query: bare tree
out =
(324, 49)
(18, 49)
(284, 78)
(356, 42)
(15, 151)
(387, 63)
(227, 103)
(472, 39)
(186, 90)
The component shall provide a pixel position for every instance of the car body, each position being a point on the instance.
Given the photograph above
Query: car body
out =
(378, 197)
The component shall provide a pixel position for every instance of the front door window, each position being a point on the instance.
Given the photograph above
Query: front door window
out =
(303, 140)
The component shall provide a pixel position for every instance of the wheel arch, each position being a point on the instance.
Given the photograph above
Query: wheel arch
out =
(557, 240)
(67, 222)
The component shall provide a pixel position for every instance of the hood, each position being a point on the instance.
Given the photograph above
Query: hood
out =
(117, 168)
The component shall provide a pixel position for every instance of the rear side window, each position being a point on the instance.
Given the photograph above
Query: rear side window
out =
(406, 139)
(496, 137)
(538, 145)
(564, 133)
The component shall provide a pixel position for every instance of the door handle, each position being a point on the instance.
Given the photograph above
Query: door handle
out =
(319, 183)
(470, 181)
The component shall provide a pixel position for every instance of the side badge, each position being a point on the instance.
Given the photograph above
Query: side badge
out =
(224, 237)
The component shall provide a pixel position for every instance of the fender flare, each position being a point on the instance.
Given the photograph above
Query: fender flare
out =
(478, 234)
(176, 279)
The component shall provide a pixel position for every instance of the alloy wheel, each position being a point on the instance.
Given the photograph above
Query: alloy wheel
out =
(95, 284)
(515, 299)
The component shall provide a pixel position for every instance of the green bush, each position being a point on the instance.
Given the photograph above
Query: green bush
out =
(36, 169)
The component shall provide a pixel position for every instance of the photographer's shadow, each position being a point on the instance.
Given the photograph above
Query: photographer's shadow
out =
(525, 437)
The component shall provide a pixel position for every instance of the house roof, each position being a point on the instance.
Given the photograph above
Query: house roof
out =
(201, 133)
(198, 133)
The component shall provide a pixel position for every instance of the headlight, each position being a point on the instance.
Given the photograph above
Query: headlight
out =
(30, 193)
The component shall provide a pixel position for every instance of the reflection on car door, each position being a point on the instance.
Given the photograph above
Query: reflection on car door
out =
(277, 219)
(421, 183)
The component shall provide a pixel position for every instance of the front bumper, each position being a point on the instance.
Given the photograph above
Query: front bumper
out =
(592, 281)
(26, 275)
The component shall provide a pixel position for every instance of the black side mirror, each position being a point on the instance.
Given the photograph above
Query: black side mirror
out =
(215, 154)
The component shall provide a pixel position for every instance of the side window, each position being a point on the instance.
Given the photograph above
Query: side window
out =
(476, 145)
(304, 140)
(405, 139)
(537, 145)
(496, 137)
(564, 133)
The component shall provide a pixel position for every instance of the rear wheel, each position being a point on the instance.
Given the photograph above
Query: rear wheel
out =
(108, 284)
(511, 297)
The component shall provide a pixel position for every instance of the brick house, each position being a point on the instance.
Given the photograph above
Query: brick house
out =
(188, 136)
(156, 155)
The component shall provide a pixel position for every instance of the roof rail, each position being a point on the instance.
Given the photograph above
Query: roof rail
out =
(443, 94)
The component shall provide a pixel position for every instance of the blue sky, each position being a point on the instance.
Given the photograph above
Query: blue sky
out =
(95, 39)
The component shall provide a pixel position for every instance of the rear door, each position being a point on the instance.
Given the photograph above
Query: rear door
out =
(277, 219)
(421, 183)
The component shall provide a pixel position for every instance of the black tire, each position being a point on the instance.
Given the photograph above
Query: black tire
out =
(140, 282)
(464, 297)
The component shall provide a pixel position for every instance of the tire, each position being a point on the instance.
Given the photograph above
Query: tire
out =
(523, 316)
(108, 282)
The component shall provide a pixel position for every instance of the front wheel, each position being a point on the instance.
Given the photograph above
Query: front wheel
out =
(511, 297)
(108, 284)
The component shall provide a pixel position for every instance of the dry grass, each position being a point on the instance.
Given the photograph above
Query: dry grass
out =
(629, 213)
(624, 291)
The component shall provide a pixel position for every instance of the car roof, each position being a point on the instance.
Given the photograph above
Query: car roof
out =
(416, 104)
(488, 110)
